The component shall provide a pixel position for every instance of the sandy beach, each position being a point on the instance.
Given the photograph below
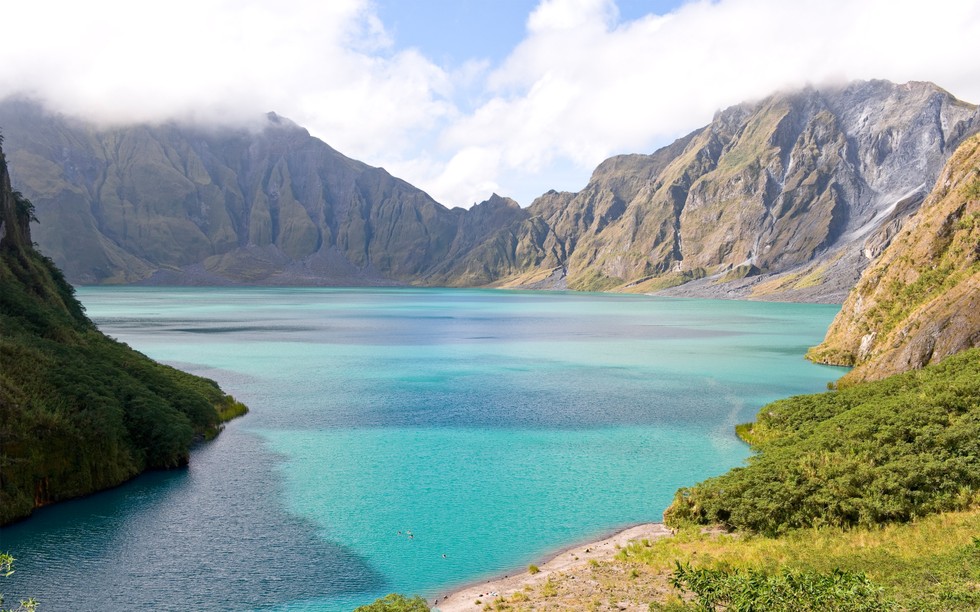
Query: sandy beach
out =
(564, 565)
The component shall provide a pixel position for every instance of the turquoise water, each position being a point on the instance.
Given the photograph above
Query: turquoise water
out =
(495, 427)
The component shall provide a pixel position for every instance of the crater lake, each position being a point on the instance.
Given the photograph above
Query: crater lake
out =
(410, 440)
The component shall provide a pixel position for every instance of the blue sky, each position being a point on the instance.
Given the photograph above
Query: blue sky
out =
(466, 98)
(450, 32)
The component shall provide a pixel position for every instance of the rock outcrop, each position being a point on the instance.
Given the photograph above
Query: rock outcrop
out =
(920, 301)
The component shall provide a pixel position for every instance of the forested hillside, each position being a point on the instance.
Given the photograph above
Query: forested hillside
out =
(79, 412)
(870, 454)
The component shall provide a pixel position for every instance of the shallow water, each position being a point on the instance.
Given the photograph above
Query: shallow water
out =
(493, 426)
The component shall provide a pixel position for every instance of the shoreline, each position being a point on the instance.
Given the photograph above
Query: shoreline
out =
(571, 558)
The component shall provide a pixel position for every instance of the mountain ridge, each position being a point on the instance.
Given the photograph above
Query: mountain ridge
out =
(709, 206)
(123, 204)
(787, 197)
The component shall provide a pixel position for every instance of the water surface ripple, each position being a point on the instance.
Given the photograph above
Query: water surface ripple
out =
(409, 439)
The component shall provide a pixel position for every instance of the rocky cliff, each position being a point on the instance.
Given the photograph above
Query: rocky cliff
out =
(789, 197)
(920, 301)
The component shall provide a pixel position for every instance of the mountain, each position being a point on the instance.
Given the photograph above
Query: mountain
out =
(789, 197)
(896, 440)
(899, 438)
(185, 205)
(920, 301)
(79, 412)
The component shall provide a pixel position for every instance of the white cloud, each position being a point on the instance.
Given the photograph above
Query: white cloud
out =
(327, 65)
(558, 15)
(581, 88)
(581, 85)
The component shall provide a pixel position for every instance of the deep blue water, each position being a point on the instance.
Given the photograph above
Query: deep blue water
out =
(494, 426)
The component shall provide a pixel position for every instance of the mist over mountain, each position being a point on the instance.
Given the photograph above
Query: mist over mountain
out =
(789, 197)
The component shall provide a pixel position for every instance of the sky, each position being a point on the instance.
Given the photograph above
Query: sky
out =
(465, 98)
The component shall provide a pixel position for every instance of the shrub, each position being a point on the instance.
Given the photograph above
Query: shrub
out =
(790, 591)
(867, 455)
(394, 602)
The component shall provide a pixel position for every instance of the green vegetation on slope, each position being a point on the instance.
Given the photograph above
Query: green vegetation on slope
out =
(830, 509)
(867, 455)
(930, 564)
(797, 591)
(80, 412)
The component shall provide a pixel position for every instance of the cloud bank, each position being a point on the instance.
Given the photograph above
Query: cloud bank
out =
(582, 85)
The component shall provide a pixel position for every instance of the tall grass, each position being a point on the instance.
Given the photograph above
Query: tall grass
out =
(930, 564)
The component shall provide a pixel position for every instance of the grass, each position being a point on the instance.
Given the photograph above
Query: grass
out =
(904, 298)
(661, 282)
(930, 564)
(804, 278)
(972, 188)
(813, 279)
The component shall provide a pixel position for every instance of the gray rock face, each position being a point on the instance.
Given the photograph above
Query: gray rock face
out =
(786, 198)
(919, 302)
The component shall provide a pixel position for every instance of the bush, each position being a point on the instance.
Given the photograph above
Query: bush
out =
(790, 591)
(867, 455)
(393, 602)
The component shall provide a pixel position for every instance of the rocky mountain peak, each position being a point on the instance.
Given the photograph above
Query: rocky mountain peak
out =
(497, 201)
(776, 198)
